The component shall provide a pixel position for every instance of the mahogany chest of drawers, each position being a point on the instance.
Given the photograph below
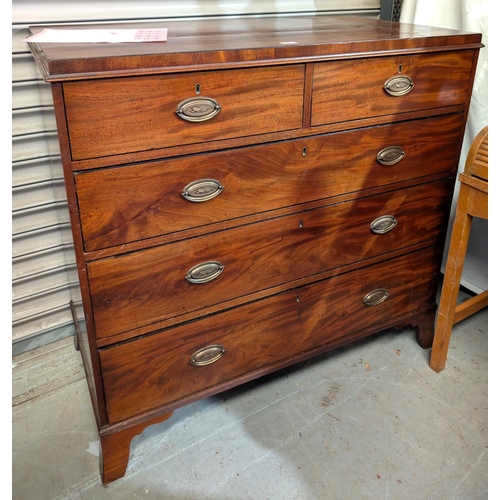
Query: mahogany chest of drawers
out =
(249, 194)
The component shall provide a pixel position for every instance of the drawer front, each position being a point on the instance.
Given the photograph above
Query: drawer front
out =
(155, 370)
(126, 204)
(354, 89)
(125, 115)
(142, 288)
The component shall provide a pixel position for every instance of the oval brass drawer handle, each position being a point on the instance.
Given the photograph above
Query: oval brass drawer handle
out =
(384, 224)
(390, 155)
(202, 190)
(198, 109)
(375, 297)
(207, 355)
(204, 272)
(398, 86)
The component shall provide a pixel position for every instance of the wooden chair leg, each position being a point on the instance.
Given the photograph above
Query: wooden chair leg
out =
(115, 449)
(451, 284)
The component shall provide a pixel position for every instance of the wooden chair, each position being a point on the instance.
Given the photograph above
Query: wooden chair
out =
(472, 202)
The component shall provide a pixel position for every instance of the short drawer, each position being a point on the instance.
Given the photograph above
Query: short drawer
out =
(145, 287)
(126, 115)
(126, 204)
(355, 89)
(158, 369)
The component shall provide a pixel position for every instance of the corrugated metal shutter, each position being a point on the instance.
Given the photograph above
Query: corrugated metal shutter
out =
(44, 277)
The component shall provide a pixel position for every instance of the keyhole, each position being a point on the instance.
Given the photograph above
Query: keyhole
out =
(304, 151)
(198, 88)
(301, 223)
(400, 68)
(298, 298)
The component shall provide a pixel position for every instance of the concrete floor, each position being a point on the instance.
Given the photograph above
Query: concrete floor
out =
(366, 421)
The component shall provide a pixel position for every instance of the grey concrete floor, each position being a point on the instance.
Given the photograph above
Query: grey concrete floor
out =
(367, 421)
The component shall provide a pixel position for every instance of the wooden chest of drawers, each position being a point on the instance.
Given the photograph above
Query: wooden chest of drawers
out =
(249, 194)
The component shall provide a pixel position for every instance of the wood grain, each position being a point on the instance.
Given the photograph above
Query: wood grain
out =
(115, 448)
(155, 370)
(124, 115)
(201, 44)
(137, 202)
(349, 90)
(145, 287)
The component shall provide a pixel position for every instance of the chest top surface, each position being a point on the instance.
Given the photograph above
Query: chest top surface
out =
(204, 44)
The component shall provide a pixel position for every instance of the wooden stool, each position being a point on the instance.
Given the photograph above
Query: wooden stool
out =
(472, 202)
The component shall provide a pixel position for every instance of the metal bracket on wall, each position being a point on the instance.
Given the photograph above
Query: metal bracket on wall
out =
(390, 10)
(75, 321)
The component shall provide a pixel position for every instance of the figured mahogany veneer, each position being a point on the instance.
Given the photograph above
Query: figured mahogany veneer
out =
(350, 90)
(249, 194)
(125, 115)
(259, 334)
(144, 201)
(145, 287)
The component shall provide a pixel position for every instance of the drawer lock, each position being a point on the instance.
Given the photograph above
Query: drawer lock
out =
(198, 109)
(207, 355)
(390, 155)
(375, 297)
(398, 86)
(384, 224)
(204, 272)
(202, 190)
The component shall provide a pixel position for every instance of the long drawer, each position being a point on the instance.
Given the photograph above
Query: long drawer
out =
(145, 287)
(125, 115)
(146, 373)
(361, 88)
(126, 204)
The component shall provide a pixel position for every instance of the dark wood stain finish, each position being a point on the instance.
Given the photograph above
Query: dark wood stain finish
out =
(304, 116)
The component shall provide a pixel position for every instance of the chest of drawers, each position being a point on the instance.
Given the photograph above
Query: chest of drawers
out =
(249, 194)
